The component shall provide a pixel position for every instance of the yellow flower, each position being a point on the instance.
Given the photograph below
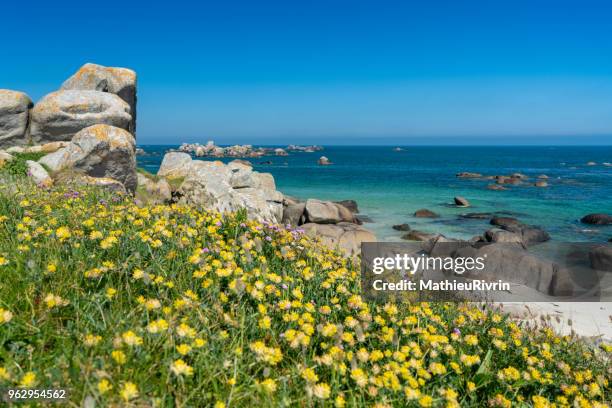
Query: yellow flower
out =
(321, 391)
(309, 375)
(131, 339)
(104, 386)
(52, 301)
(51, 268)
(119, 357)
(183, 349)
(360, 377)
(111, 292)
(179, 367)
(3, 261)
(219, 404)
(92, 340)
(4, 374)
(5, 316)
(28, 380)
(129, 391)
(63, 233)
(268, 385)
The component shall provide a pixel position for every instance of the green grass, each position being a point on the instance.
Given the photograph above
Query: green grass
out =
(18, 166)
(243, 312)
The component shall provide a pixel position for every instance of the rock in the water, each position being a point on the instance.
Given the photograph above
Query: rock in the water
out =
(175, 165)
(597, 219)
(476, 216)
(528, 234)
(601, 258)
(350, 204)
(324, 161)
(425, 213)
(461, 201)
(14, 112)
(60, 115)
(543, 177)
(118, 81)
(99, 151)
(416, 235)
(467, 174)
(293, 214)
(511, 263)
(504, 221)
(38, 174)
(402, 227)
(541, 183)
(496, 187)
(500, 235)
(345, 236)
(326, 212)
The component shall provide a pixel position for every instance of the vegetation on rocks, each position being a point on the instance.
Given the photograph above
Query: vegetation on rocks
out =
(168, 305)
(17, 166)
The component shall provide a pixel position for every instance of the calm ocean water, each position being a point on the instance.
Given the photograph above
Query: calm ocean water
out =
(389, 186)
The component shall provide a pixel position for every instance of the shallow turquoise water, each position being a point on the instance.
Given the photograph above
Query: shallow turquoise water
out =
(389, 186)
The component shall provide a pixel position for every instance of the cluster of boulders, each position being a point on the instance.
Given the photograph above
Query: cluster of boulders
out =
(305, 149)
(212, 150)
(503, 181)
(241, 151)
(86, 129)
(336, 223)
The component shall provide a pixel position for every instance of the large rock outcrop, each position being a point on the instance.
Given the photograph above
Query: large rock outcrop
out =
(99, 151)
(344, 236)
(118, 81)
(327, 212)
(14, 114)
(60, 115)
(225, 188)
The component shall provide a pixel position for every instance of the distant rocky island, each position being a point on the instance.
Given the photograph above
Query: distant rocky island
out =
(242, 151)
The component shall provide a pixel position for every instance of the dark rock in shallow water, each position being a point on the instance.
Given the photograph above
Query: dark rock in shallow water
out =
(461, 201)
(467, 174)
(601, 258)
(541, 184)
(500, 235)
(266, 162)
(477, 216)
(360, 218)
(401, 227)
(425, 213)
(534, 235)
(597, 219)
(504, 221)
(416, 235)
(350, 204)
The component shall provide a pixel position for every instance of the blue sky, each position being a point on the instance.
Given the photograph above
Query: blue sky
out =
(334, 72)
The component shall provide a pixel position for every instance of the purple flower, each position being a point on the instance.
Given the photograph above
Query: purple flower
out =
(457, 331)
(218, 223)
(205, 250)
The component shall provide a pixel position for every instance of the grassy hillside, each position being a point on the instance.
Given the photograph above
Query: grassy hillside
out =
(171, 306)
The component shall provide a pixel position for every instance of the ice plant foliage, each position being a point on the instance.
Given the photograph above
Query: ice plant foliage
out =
(174, 306)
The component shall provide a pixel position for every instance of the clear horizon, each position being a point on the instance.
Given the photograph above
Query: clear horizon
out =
(336, 73)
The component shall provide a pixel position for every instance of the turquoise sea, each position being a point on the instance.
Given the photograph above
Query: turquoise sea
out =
(390, 185)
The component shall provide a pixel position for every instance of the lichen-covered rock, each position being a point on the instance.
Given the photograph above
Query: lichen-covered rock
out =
(175, 165)
(226, 188)
(38, 174)
(14, 113)
(50, 147)
(344, 236)
(99, 151)
(119, 81)
(60, 115)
